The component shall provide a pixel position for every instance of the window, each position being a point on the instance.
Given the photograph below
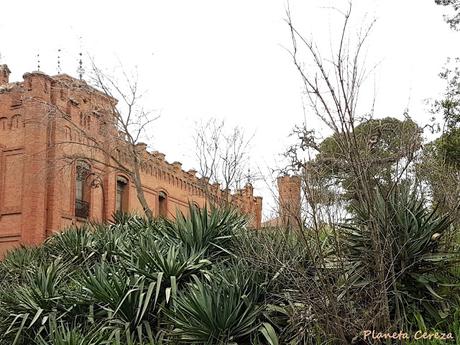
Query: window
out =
(3, 123)
(162, 204)
(67, 133)
(81, 190)
(16, 122)
(120, 201)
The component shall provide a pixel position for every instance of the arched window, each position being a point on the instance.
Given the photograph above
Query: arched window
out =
(67, 133)
(81, 190)
(102, 127)
(68, 109)
(162, 204)
(121, 200)
(16, 122)
(3, 123)
(87, 122)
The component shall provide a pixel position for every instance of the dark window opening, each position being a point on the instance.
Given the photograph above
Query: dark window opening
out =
(3, 123)
(162, 205)
(121, 197)
(81, 191)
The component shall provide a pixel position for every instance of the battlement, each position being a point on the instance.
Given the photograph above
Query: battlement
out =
(67, 92)
(154, 163)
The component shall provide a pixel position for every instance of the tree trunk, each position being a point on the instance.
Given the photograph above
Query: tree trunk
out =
(137, 182)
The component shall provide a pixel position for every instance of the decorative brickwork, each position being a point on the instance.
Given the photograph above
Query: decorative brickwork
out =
(47, 127)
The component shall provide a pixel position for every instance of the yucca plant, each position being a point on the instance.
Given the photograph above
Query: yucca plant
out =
(73, 244)
(216, 312)
(411, 235)
(153, 257)
(206, 230)
(132, 228)
(19, 261)
(23, 257)
(25, 307)
(133, 224)
(120, 298)
(60, 333)
(142, 335)
(110, 241)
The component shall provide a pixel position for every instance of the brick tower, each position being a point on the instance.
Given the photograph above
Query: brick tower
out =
(4, 74)
(289, 201)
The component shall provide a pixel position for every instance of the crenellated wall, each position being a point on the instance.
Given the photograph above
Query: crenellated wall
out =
(48, 126)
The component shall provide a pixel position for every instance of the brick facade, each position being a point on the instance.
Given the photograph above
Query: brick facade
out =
(47, 127)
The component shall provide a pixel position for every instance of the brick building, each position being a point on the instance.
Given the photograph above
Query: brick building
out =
(51, 176)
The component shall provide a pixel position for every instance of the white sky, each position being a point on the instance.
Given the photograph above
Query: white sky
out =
(225, 59)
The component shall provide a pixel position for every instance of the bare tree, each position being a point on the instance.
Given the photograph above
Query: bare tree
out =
(222, 153)
(332, 87)
(453, 18)
(132, 120)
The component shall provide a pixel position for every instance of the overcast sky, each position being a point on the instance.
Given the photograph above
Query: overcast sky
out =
(227, 59)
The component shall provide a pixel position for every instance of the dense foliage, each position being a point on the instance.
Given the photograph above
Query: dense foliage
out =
(381, 143)
(138, 281)
(207, 279)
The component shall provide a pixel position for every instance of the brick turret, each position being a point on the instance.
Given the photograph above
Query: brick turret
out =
(289, 201)
(4, 75)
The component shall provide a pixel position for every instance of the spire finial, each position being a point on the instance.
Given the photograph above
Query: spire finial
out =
(249, 177)
(38, 61)
(80, 69)
(59, 61)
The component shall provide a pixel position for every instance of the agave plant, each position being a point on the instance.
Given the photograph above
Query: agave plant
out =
(411, 236)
